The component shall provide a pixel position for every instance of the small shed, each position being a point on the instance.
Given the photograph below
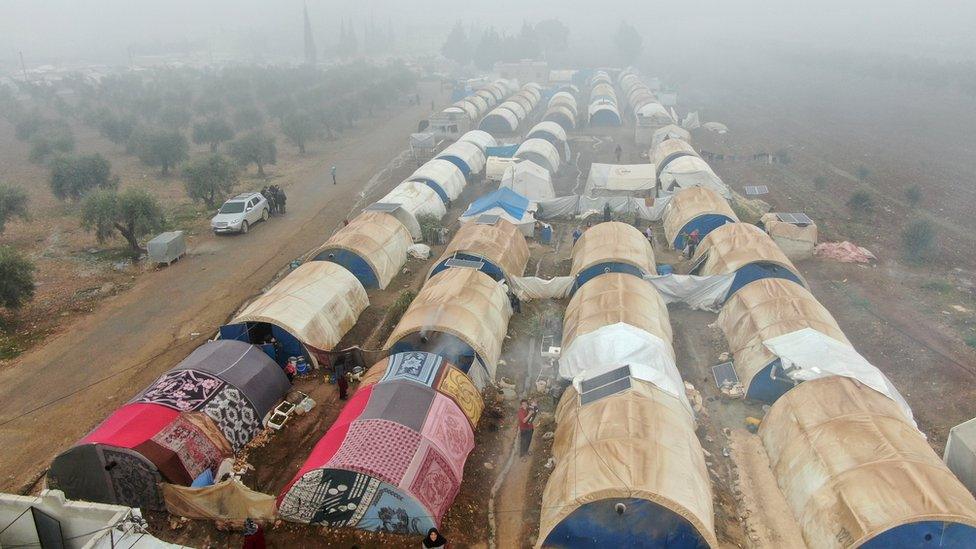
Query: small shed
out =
(166, 247)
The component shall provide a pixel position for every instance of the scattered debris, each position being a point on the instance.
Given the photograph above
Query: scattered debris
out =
(845, 252)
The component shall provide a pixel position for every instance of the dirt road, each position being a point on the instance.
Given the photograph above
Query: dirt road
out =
(56, 393)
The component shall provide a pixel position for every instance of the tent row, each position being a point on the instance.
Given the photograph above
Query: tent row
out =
(603, 110)
(647, 110)
(563, 109)
(506, 118)
(629, 469)
(679, 166)
(475, 105)
(839, 436)
(178, 429)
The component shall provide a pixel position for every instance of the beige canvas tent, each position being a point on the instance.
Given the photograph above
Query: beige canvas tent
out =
(501, 245)
(373, 247)
(636, 445)
(854, 469)
(735, 245)
(317, 303)
(670, 131)
(612, 242)
(669, 150)
(688, 205)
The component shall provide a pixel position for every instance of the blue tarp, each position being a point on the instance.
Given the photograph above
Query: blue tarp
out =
(704, 223)
(766, 389)
(925, 533)
(461, 164)
(437, 188)
(288, 344)
(594, 271)
(501, 151)
(758, 271)
(512, 202)
(353, 263)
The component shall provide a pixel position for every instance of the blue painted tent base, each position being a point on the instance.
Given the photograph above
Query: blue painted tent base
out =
(461, 164)
(501, 151)
(495, 125)
(450, 347)
(604, 118)
(594, 271)
(487, 267)
(435, 187)
(353, 262)
(758, 271)
(643, 524)
(766, 389)
(256, 332)
(924, 534)
(704, 223)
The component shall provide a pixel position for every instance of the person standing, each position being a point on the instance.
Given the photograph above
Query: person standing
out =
(617, 152)
(281, 199)
(333, 175)
(515, 302)
(253, 535)
(526, 417)
(649, 234)
(577, 233)
(341, 381)
(607, 212)
(693, 240)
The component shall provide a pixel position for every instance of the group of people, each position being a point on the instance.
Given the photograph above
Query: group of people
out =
(276, 199)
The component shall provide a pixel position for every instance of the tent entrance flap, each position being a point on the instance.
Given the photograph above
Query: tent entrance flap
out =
(448, 346)
(259, 333)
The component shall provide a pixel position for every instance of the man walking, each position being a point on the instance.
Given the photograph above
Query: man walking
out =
(617, 152)
(526, 415)
(333, 175)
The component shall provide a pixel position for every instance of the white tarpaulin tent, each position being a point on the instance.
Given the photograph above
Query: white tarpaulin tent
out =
(541, 152)
(669, 132)
(444, 173)
(654, 113)
(480, 138)
(808, 354)
(692, 171)
(417, 199)
(469, 154)
(529, 180)
(620, 177)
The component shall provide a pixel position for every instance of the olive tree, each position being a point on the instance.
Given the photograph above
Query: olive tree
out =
(16, 278)
(73, 176)
(256, 148)
(163, 149)
(13, 203)
(133, 213)
(212, 131)
(299, 128)
(210, 179)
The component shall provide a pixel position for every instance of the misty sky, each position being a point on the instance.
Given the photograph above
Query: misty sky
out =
(51, 31)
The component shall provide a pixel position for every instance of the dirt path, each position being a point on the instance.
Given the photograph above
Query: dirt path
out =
(54, 394)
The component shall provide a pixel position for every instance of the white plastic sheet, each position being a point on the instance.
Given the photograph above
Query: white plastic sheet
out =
(808, 354)
(528, 288)
(575, 205)
(706, 293)
(419, 251)
(691, 121)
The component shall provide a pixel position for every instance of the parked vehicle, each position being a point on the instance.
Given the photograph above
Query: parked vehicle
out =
(238, 214)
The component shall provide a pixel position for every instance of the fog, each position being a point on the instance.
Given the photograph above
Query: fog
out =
(106, 31)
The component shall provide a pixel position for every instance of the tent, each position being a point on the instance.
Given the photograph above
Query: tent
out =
(551, 132)
(461, 315)
(669, 150)
(468, 108)
(798, 241)
(541, 152)
(745, 251)
(307, 312)
(629, 472)
(762, 310)
(517, 109)
(190, 419)
(487, 97)
(561, 115)
(851, 463)
(669, 132)
(443, 175)
(529, 180)
(611, 247)
(505, 203)
(393, 460)
(690, 171)
(416, 198)
(372, 247)
(500, 121)
(468, 157)
(695, 209)
(499, 247)
(619, 179)
(716, 127)
(479, 102)
(654, 114)
(564, 99)
(480, 138)
(524, 99)
(502, 151)
(604, 114)
(603, 92)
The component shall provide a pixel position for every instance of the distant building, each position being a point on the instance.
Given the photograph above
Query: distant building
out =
(524, 71)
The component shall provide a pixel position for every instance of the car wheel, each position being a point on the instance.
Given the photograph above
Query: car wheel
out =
(244, 227)
(265, 215)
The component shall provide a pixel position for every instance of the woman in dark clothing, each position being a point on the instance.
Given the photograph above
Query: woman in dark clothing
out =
(434, 539)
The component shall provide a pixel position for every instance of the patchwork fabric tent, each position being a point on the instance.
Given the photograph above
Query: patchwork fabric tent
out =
(636, 449)
(760, 311)
(669, 150)
(186, 422)
(611, 247)
(307, 312)
(670, 131)
(480, 138)
(393, 460)
(857, 473)
(553, 133)
(695, 209)
(461, 315)
(373, 247)
(619, 179)
(500, 247)
(690, 171)
(745, 251)
(468, 157)
(417, 199)
(443, 176)
(529, 180)
(504, 203)
(541, 152)
(500, 121)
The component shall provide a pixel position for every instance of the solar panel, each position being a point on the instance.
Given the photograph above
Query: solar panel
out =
(724, 373)
(464, 263)
(756, 189)
(795, 218)
(487, 219)
(609, 389)
(604, 378)
(386, 207)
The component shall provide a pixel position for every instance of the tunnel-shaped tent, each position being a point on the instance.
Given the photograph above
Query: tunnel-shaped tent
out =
(443, 175)
(695, 209)
(529, 180)
(500, 247)
(499, 121)
(467, 108)
(517, 109)
(416, 198)
(307, 312)
(468, 157)
(629, 472)
(669, 150)
(372, 247)
(498, 91)
(670, 131)
(554, 134)
(505, 204)
(561, 115)
(480, 138)
(479, 102)
(857, 473)
(524, 99)
(745, 251)
(604, 114)
(564, 99)
(461, 315)
(192, 417)
(611, 247)
(541, 152)
(762, 310)
(688, 171)
(487, 97)
(653, 113)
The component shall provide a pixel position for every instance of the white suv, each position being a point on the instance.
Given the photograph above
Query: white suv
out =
(239, 213)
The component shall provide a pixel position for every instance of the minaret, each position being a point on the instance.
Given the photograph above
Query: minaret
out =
(309, 41)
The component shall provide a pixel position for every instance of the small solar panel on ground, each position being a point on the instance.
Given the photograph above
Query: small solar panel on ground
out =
(602, 392)
(487, 219)
(465, 263)
(604, 378)
(795, 218)
(387, 207)
(756, 189)
(724, 373)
